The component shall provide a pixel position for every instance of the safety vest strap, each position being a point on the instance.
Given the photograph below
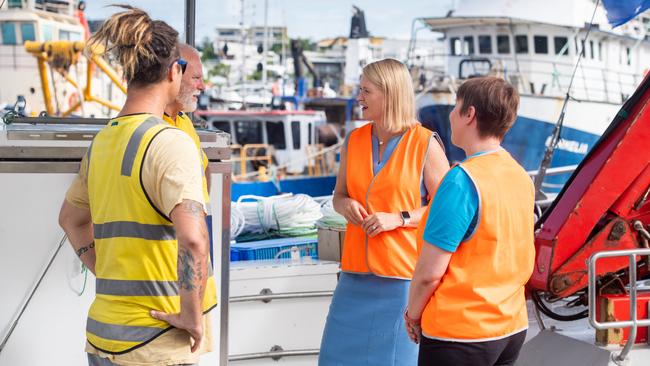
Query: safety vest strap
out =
(134, 144)
(130, 229)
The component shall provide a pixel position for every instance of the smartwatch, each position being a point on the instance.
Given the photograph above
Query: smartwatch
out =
(406, 218)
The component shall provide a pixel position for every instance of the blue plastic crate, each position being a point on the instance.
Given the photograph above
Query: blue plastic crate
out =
(268, 249)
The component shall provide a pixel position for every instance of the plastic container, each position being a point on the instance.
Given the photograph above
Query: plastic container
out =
(268, 249)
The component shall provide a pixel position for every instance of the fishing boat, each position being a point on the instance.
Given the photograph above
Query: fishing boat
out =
(535, 47)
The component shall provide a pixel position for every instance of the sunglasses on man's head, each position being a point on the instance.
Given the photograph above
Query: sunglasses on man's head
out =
(182, 63)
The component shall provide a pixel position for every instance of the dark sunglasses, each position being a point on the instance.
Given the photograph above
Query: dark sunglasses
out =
(181, 62)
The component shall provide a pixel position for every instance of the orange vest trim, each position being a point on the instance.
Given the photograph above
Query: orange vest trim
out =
(481, 296)
(395, 188)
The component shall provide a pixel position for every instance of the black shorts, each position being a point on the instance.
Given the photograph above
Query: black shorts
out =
(502, 352)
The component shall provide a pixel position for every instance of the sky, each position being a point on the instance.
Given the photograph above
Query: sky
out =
(315, 19)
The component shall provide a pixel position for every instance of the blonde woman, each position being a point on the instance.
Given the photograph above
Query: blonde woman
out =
(389, 170)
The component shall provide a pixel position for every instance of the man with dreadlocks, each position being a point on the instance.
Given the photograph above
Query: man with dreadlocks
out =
(135, 215)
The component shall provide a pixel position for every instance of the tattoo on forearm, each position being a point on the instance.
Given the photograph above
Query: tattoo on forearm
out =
(186, 270)
(83, 250)
(193, 207)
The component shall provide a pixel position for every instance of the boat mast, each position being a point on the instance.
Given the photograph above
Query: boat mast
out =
(555, 135)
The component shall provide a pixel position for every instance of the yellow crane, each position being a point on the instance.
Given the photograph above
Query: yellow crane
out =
(60, 56)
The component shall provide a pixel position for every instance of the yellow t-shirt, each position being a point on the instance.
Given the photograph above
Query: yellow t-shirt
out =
(171, 172)
(184, 122)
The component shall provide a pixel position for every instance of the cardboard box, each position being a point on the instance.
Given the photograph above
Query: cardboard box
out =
(330, 244)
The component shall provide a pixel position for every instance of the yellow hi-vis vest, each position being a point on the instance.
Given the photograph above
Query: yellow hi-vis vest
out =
(135, 243)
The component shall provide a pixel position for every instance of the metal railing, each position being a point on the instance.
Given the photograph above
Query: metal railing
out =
(634, 323)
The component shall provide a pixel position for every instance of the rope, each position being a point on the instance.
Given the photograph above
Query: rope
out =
(331, 219)
(285, 215)
(84, 271)
(237, 222)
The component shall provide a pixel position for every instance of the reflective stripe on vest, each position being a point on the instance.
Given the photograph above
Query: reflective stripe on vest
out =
(129, 229)
(124, 333)
(136, 288)
(481, 296)
(395, 188)
(136, 247)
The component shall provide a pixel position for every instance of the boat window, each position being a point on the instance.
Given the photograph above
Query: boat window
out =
(15, 4)
(628, 56)
(222, 125)
(591, 49)
(248, 132)
(503, 44)
(454, 44)
(309, 138)
(48, 32)
(275, 134)
(561, 45)
(468, 45)
(9, 33)
(295, 134)
(541, 44)
(64, 35)
(600, 51)
(485, 44)
(521, 43)
(27, 31)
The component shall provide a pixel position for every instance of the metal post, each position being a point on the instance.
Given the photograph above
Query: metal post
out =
(266, 42)
(190, 22)
(633, 315)
(242, 66)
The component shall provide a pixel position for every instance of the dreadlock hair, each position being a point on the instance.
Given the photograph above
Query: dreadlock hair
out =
(144, 47)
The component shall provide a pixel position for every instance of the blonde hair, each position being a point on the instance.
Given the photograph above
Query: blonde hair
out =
(144, 47)
(393, 79)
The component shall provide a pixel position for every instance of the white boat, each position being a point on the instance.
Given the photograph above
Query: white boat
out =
(46, 22)
(534, 45)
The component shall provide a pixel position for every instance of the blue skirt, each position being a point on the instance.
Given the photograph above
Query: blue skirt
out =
(365, 324)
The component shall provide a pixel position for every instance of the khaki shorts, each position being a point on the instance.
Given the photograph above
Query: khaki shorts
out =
(170, 348)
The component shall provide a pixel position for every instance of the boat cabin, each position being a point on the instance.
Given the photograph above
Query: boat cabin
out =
(289, 133)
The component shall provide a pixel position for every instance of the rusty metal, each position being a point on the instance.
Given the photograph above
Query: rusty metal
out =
(617, 231)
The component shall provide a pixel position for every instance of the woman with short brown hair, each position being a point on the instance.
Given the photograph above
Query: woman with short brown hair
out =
(466, 302)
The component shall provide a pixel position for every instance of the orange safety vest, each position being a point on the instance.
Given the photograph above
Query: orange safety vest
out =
(396, 188)
(481, 296)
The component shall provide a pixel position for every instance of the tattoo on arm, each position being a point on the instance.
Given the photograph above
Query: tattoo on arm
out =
(193, 207)
(186, 270)
(83, 250)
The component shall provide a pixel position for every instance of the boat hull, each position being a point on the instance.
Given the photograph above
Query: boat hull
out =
(530, 135)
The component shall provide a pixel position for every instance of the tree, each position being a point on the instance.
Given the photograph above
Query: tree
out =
(306, 44)
(207, 50)
(219, 69)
